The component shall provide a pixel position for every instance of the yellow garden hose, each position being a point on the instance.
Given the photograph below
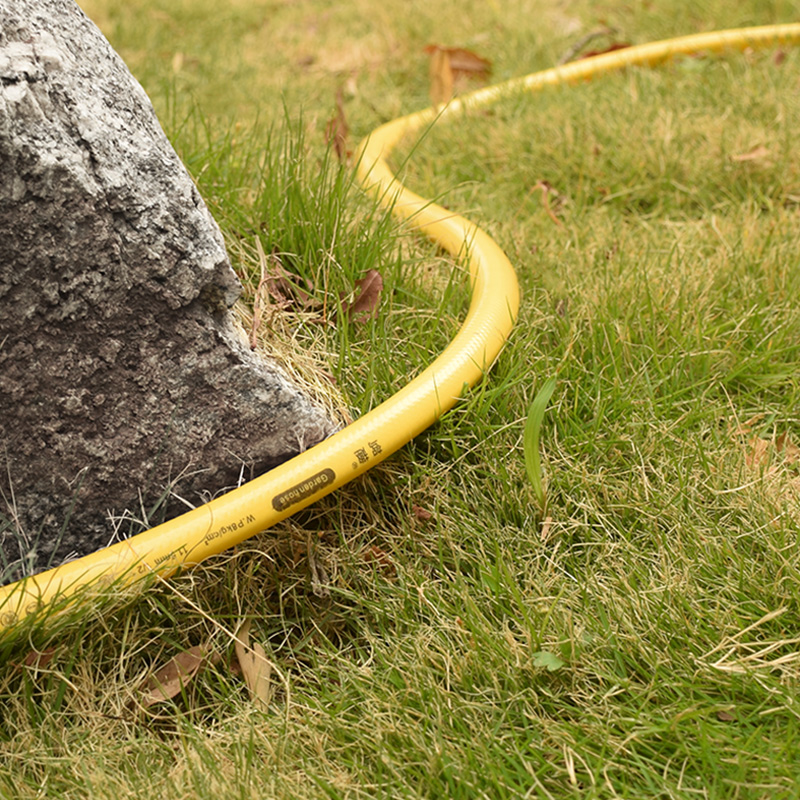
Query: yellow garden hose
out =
(261, 503)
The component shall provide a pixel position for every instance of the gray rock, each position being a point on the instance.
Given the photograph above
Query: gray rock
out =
(121, 371)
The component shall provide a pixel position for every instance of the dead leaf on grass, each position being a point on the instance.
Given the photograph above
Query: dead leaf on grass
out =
(39, 659)
(612, 48)
(573, 51)
(255, 666)
(380, 559)
(758, 452)
(421, 513)
(761, 451)
(441, 78)
(280, 286)
(757, 153)
(366, 297)
(448, 65)
(286, 288)
(776, 460)
(787, 448)
(171, 679)
(337, 129)
(467, 64)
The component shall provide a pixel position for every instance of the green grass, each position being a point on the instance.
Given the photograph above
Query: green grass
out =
(432, 635)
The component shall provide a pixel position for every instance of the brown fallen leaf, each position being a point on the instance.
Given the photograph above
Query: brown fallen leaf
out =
(255, 666)
(39, 659)
(282, 286)
(613, 47)
(761, 450)
(572, 52)
(380, 559)
(440, 74)
(337, 129)
(367, 297)
(285, 287)
(463, 63)
(787, 448)
(170, 680)
(758, 454)
(450, 64)
(281, 289)
(746, 428)
(774, 461)
(421, 513)
(758, 153)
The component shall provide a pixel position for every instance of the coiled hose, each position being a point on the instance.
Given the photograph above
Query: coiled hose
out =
(261, 503)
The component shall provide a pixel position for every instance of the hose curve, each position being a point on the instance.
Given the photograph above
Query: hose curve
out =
(228, 520)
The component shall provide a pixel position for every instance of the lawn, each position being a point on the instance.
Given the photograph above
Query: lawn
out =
(432, 629)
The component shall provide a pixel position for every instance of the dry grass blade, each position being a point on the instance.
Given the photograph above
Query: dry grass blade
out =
(261, 299)
(748, 656)
(256, 667)
(734, 654)
(547, 189)
(757, 153)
